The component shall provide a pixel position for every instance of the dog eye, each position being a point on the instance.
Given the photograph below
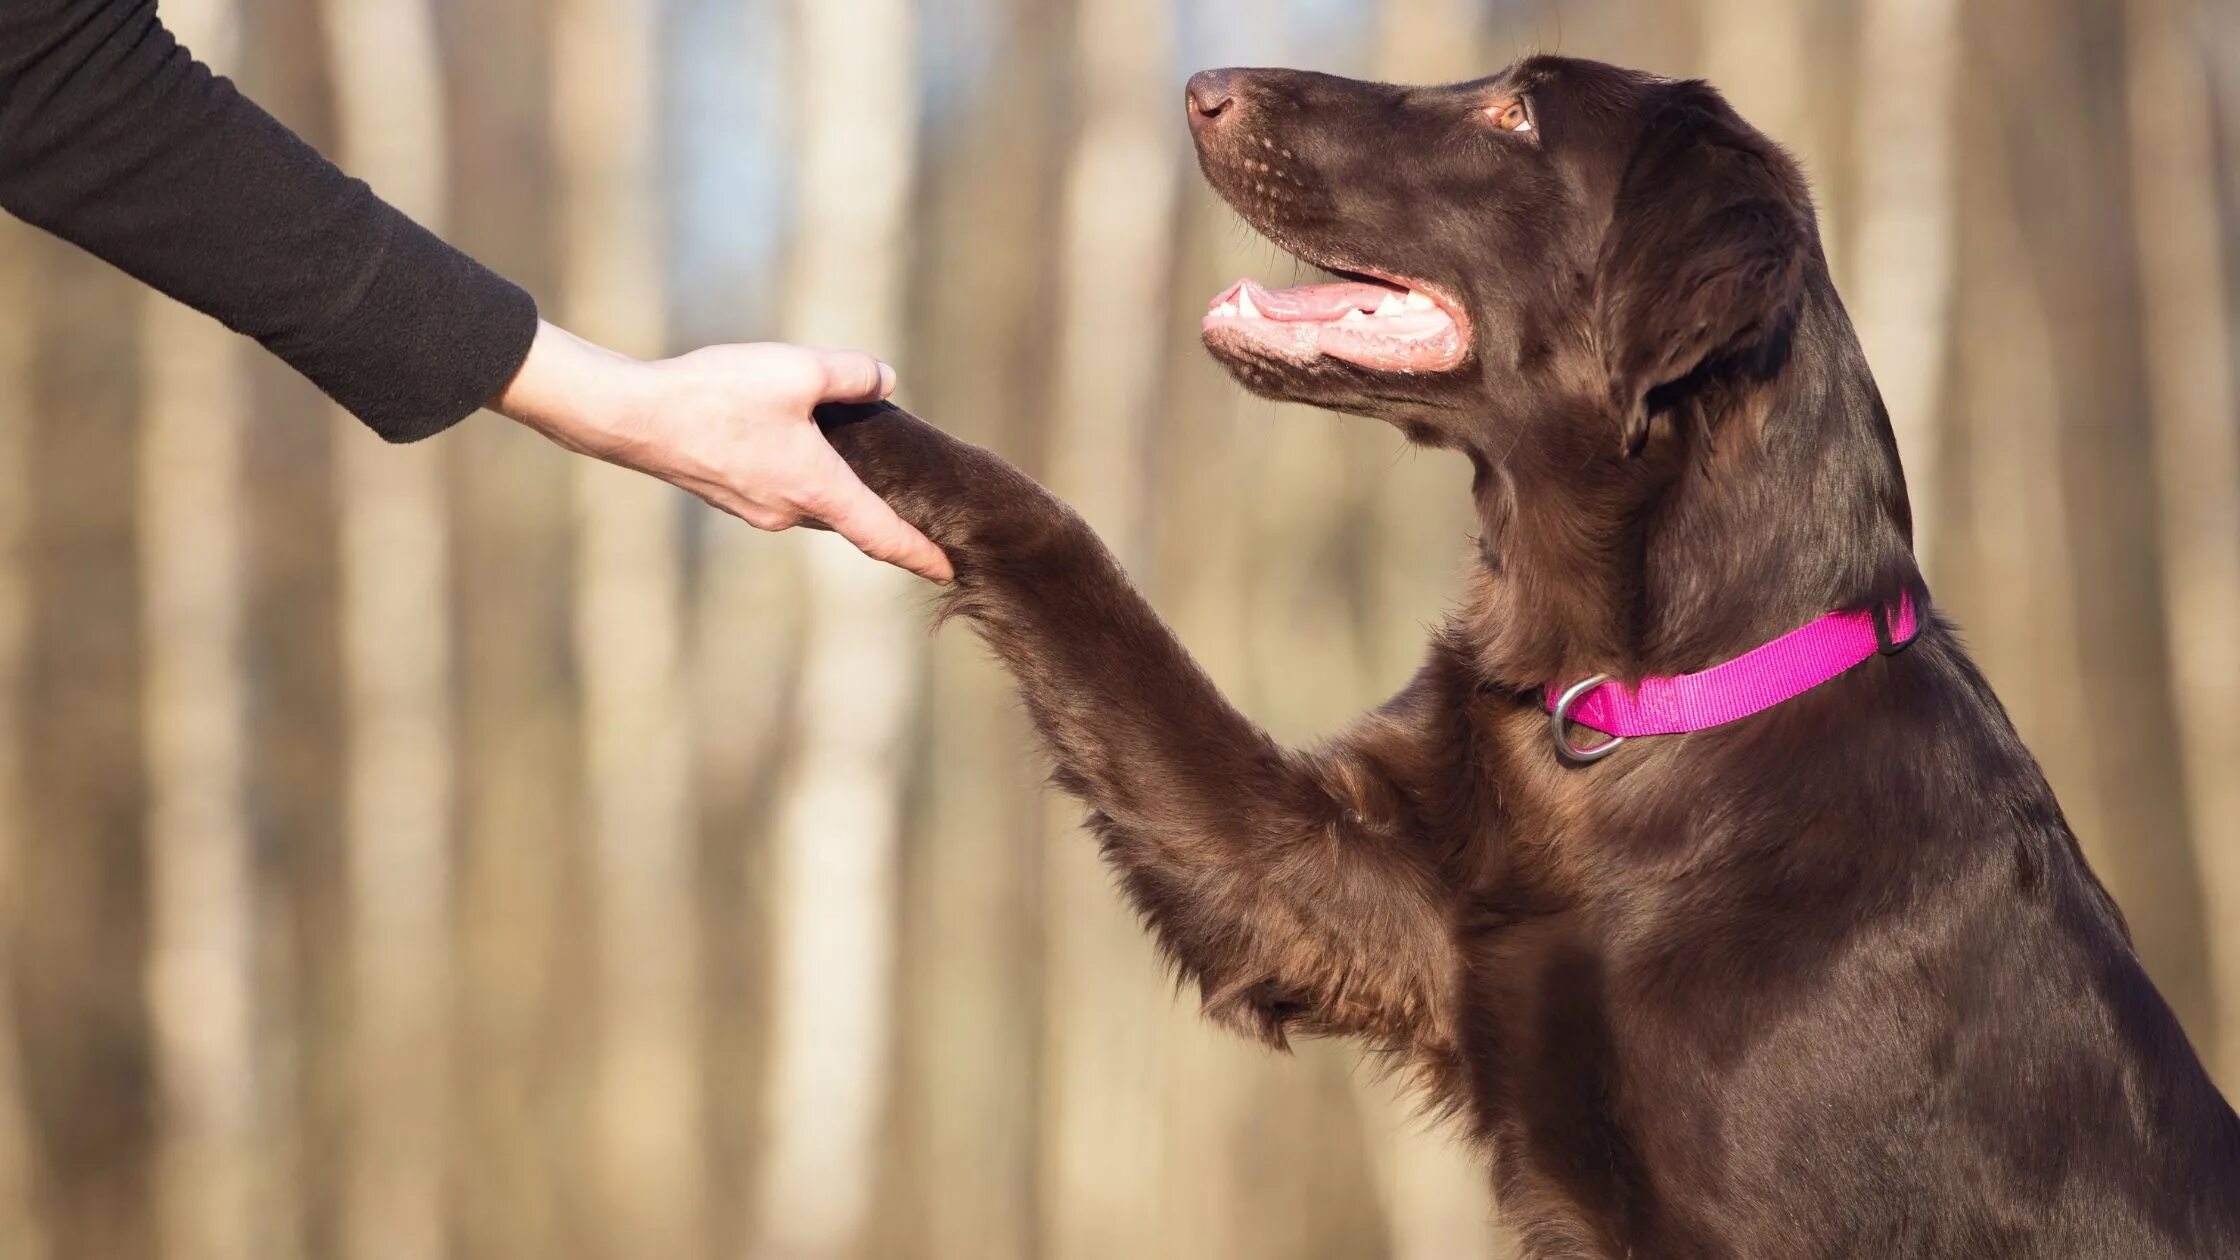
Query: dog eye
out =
(1509, 116)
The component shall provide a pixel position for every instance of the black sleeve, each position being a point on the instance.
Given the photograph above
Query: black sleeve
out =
(114, 138)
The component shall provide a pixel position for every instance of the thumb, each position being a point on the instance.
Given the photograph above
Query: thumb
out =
(864, 519)
(853, 376)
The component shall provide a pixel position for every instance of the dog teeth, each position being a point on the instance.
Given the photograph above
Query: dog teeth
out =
(1418, 302)
(1245, 307)
(1355, 317)
(1392, 305)
(1227, 310)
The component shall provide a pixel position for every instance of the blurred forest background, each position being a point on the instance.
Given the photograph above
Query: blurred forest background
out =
(467, 851)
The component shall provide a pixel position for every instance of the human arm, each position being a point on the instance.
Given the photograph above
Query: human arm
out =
(114, 138)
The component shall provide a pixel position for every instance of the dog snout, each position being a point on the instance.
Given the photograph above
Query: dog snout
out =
(1210, 97)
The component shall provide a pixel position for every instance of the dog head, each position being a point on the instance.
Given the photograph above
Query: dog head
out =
(1565, 240)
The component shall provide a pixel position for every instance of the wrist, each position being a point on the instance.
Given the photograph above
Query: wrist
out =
(581, 395)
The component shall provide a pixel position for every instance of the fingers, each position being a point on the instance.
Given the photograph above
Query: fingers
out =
(853, 376)
(863, 518)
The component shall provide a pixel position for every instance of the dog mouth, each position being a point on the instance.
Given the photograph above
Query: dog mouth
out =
(1384, 324)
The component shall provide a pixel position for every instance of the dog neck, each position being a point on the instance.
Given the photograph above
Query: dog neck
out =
(1765, 497)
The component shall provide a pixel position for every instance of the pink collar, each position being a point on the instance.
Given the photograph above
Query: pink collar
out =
(1751, 683)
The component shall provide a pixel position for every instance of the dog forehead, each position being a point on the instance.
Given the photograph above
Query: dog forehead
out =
(1582, 88)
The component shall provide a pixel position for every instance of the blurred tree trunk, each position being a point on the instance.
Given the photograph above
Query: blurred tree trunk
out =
(2065, 154)
(839, 815)
(969, 1080)
(2216, 29)
(21, 1232)
(398, 669)
(748, 632)
(1173, 1062)
(521, 1026)
(2188, 332)
(2217, 32)
(295, 762)
(79, 948)
(202, 968)
(1106, 1005)
(1901, 279)
(1114, 262)
(202, 965)
(647, 1135)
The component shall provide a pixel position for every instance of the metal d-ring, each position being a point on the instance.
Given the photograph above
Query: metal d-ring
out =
(1559, 724)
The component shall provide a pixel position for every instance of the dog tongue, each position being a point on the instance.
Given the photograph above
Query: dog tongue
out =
(1308, 303)
(1380, 327)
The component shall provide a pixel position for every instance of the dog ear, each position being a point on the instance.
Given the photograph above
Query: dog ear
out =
(1705, 256)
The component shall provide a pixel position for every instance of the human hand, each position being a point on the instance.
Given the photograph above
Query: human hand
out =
(730, 424)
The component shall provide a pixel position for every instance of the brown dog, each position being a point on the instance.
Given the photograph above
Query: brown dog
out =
(1831, 980)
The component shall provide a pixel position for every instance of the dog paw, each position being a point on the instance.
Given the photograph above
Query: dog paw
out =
(966, 499)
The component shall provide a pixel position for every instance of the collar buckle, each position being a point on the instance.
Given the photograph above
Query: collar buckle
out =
(1559, 725)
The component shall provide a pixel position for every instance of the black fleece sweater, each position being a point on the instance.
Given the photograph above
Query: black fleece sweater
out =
(114, 138)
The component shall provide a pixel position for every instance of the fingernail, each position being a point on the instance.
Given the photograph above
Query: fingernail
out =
(886, 378)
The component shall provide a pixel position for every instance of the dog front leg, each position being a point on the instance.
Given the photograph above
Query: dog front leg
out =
(1294, 888)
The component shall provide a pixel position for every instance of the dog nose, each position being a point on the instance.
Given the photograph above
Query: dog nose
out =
(1209, 97)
